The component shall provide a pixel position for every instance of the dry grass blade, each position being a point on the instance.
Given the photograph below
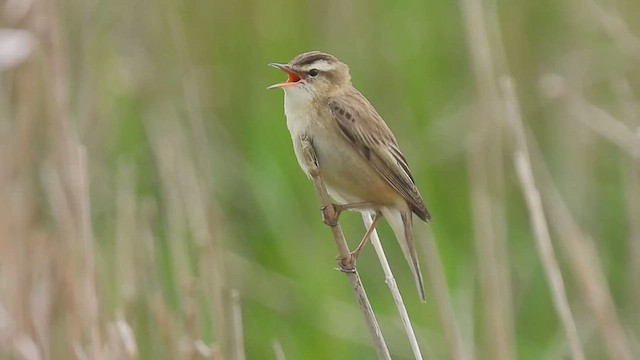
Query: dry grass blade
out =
(354, 279)
(493, 266)
(393, 287)
(122, 343)
(524, 170)
(269, 288)
(486, 168)
(238, 336)
(584, 262)
(583, 258)
(631, 116)
(277, 350)
(605, 124)
(592, 116)
(614, 25)
(633, 206)
(435, 272)
(71, 168)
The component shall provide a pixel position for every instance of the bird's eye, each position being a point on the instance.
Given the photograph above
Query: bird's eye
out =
(313, 72)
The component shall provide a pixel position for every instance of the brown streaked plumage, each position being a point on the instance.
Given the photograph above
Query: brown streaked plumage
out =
(358, 155)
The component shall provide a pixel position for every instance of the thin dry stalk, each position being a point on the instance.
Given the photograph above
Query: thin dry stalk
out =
(631, 115)
(125, 226)
(465, 301)
(269, 288)
(216, 284)
(435, 272)
(203, 215)
(614, 25)
(605, 124)
(524, 170)
(595, 118)
(169, 145)
(393, 287)
(238, 336)
(494, 282)
(121, 341)
(583, 261)
(277, 350)
(485, 154)
(632, 184)
(353, 277)
(583, 257)
(72, 170)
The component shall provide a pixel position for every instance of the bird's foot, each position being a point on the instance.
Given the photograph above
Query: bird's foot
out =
(331, 214)
(347, 265)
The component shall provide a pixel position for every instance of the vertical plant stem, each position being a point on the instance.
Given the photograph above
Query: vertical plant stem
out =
(438, 282)
(238, 336)
(584, 262)
(393, 287)
(538, 222)
(353, 277)
(71, 166)
(485, 154)
(278, 350)
(631, 116)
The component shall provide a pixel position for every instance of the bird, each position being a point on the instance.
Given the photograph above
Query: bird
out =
(358, 156)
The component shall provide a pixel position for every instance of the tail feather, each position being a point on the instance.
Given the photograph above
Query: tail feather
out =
(402, 225)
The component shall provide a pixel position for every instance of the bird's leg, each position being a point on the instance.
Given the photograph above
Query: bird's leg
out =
(367, 236)
(346, 265)
(355, 206)
(330, 216)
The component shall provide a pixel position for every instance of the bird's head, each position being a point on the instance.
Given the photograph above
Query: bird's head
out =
(313, 74)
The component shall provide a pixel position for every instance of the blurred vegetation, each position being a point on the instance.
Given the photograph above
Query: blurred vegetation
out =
(146, 173)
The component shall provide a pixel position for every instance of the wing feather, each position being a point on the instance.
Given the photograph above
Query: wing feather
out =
(370, 135)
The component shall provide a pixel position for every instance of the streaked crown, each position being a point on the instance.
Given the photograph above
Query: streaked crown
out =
(325, 69)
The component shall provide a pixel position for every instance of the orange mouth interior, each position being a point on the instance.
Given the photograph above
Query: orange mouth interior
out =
(293, 77)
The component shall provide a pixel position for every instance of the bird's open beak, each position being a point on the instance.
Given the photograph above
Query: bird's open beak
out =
(293, 78)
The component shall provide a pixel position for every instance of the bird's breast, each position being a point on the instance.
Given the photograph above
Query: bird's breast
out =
(348, 175)
(300, 116)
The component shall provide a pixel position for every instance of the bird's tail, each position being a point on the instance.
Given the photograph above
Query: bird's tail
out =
(402, 225)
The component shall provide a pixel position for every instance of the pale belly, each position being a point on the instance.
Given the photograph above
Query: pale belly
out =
(348, 176)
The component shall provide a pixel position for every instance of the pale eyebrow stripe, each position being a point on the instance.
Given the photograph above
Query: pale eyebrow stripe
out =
(321, 65)
(312, 57)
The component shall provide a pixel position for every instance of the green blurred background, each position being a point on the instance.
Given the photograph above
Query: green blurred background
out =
(148, 176)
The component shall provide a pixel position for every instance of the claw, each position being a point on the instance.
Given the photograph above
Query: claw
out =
(350, 270)
(354, 256)
(346, 265)
(331, 220)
